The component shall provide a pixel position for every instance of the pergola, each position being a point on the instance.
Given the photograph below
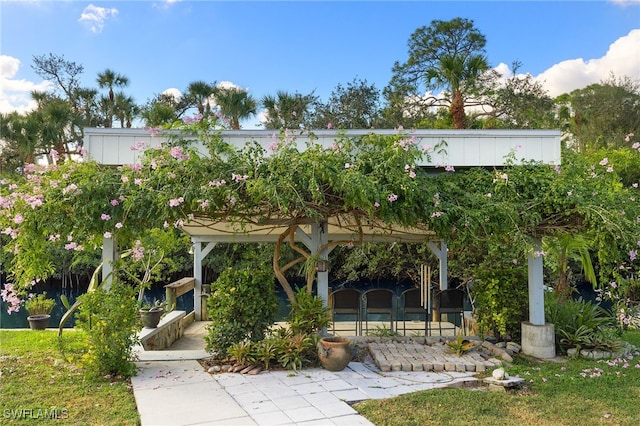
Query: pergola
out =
(465, 149)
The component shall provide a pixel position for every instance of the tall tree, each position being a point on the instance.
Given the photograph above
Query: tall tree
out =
(517, 102)
(235, 103)
(447, 55)
(287, 110)
(354, 106)
(109, 79)
(125, 109)
(600, 115)
(200, 92)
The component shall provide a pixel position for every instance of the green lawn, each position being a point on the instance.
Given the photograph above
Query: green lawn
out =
(576, 392)
(40, 380)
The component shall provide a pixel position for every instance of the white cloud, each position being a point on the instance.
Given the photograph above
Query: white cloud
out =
(175, 93)
(622, 59)
(625, 3)
(95, 17)
(15, 95)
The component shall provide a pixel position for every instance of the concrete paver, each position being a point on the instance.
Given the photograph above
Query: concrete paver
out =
(172, 388)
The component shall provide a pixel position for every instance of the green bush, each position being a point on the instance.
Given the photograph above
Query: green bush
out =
(242, 306)
(111, 321)
(501, 299)
(579, 324)
(308, 315)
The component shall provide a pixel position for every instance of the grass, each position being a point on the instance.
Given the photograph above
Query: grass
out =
(41, 379)
(575, 392)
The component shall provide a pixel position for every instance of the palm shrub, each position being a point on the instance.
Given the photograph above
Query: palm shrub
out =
(242, 306)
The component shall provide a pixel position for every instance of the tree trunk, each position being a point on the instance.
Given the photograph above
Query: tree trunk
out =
(457, 111)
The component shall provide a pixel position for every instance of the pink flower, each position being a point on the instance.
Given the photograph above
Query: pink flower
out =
(107, 235)
(118, 225)
(609, 169)
(138, 182)
(329, 126)
(114, 202)
(633, 254)
(392, 198)
(604, 161)
(174, 202)
(18, 219)
(376, 204)
(449, 169)
(436, 214)
(138, 251)
(124, 179)
(105, 216)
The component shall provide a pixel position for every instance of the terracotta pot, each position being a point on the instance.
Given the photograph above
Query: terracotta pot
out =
(38, 322)
(334, 353)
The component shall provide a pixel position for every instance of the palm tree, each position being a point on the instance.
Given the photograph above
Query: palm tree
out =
(110, 79)
(200, 92)
(125, 109)
(286, 110)
(235, 104)
(455, 72)
(562, 249)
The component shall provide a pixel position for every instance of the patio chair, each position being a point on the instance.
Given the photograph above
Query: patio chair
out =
(411, 303)
(346, 301)
(449, 301)
(378, 301)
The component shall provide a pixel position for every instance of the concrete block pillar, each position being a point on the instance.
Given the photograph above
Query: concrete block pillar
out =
(538, 341)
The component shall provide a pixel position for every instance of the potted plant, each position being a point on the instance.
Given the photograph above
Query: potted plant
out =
(39, 308)
(152, 313)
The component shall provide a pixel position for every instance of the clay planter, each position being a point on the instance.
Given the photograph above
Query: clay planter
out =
(151, 317)
(334, 353)
(38, 322)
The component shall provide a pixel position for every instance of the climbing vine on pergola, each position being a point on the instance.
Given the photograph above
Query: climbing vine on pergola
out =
(373, 179)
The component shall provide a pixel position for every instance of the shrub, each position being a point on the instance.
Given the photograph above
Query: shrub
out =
(111, 321)
(242, 306)
(578, 323)
(308, 315)
(501, 299)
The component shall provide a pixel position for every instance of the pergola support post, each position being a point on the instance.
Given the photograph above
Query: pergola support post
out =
(109, 254)
(538, 337)
(198, 254)
(441, 254)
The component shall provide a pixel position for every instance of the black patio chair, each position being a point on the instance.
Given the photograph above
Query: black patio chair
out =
(449, 301)
(346, 301)
(411, 303)
(378, 301)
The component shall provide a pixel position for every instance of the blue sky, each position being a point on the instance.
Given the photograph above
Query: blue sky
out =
(303, 46)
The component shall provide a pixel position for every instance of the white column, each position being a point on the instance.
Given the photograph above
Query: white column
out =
(197, 275)
(198, 255)
(536, 287)
(441, 253)
(109, 253)
(319, 238)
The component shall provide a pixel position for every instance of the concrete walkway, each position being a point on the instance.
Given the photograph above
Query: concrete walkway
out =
(183, 393)
(172, 388)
